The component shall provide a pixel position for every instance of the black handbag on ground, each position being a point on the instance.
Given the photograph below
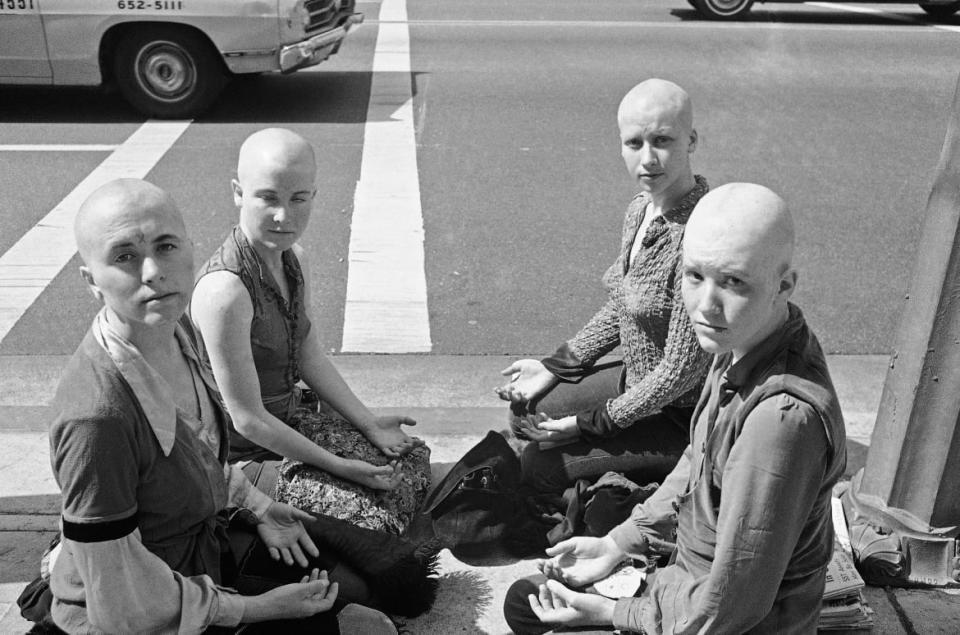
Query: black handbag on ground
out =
(36, 599)
(480, 503)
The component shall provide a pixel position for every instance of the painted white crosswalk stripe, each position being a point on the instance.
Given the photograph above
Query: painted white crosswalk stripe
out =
(58, 147)
(385, 309)
(28, 267)
(886, 14)
(906, 26)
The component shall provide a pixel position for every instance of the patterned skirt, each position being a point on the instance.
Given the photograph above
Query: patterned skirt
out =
(315, 490)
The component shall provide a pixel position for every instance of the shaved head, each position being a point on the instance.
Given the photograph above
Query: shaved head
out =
(274, 147)
(118, 202)
(656, 140)
(737, 267)
(657, 94)
(746, 217)
(274, 190)
(138, 259)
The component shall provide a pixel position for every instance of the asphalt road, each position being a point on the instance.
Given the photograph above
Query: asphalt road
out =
(522, 187)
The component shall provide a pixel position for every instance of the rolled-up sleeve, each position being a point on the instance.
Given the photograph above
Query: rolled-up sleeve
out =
(130, 590)
(126, 588)
(652, 525)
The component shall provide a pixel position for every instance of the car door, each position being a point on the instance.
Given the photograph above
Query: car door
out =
(23, 46)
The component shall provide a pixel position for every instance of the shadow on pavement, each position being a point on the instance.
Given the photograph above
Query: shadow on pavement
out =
(916, 18)
(856, 457)
(304, 97)
(462, 598)
(45, 104)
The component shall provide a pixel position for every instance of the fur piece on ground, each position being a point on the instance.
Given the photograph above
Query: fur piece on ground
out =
(402, 573)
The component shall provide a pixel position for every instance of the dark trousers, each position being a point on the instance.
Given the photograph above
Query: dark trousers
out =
(644, 452)
(256, 572)
(523, 621)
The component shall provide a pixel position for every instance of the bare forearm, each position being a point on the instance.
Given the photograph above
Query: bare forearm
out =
(273, 434)
(324, 378)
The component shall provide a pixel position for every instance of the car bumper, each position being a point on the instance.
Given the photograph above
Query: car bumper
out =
(316, 49)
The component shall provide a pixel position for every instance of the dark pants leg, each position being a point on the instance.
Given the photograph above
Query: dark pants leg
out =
(516, 609)
(325, 623)
(259, 573)
(523, 621)
(644, 452)
(600, 383)
(352, 619)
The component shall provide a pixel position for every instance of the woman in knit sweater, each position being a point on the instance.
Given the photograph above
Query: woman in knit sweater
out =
(588, 416)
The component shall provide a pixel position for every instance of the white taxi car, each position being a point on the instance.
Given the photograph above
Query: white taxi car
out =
(169, 58)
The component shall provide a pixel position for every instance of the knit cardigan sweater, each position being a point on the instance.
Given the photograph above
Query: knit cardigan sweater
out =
(663, 363)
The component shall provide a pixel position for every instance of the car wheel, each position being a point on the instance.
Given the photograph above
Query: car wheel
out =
(723, 9)
(940, 10)
(168, 72)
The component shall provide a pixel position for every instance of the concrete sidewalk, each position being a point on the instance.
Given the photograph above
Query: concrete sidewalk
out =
(451, 397)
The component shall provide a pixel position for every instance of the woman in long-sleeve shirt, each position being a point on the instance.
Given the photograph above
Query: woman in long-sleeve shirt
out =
(631, 415)
(746, 513)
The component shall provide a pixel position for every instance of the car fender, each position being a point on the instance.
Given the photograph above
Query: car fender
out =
(244, 33)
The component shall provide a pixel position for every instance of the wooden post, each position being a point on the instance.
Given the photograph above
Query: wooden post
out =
(904, 506)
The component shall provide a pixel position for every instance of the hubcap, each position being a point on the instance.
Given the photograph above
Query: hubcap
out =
(726, 6)
(165, 71)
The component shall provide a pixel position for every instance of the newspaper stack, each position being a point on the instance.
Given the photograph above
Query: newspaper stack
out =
(843, 605)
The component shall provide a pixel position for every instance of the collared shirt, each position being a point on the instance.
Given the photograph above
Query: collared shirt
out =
(748, 505)
(141, 524)
(153, 392)
(663, 363)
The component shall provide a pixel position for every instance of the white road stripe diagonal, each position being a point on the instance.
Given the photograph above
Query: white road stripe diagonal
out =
(35, 260)
(58, 147)
(385, 310)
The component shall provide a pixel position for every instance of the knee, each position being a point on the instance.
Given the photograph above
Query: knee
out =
(516, 608)
(353, 588)
(542, 469)
(354, 618)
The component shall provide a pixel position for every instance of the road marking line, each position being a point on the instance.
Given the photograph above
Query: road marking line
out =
(385, 310)
(866, 10)
(53, 147)
(768, 26)
(35, 260)
(886, 14)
